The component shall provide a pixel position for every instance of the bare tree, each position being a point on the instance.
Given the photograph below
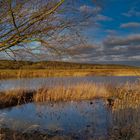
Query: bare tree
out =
(25, 21)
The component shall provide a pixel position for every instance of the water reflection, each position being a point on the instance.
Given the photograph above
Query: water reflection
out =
(33, 83)
(90, 118)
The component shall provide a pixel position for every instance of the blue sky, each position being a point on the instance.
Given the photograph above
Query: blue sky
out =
(112, 33)
(119, 12)
(117, 34)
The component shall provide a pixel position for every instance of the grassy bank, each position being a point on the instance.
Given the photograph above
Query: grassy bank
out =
(29, 73)
(23, 69)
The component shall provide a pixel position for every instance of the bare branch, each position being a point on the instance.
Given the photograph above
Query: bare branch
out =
(27, 21)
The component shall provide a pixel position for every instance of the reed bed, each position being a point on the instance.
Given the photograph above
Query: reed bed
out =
(80, 91)
(126, 113)
(123, 96)
(15, 97)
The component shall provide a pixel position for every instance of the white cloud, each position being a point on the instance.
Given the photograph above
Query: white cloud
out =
(132, 12)
(110, 31)
(90, 9)
(130, 25)
(136, 57)
(133, 39)
(100, 17)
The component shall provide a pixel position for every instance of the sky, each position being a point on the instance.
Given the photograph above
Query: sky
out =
(112, 32)
(116, 38)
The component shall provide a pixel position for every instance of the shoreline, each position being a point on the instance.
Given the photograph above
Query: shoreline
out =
(44, 73)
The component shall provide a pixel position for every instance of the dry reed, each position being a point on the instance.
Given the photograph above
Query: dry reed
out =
(126, 95)
(80, 91)
(126, 113)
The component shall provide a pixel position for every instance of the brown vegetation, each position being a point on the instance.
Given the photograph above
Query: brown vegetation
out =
(81, 91)
(126, 113)
(15, 97)
(58, 93)
(7, 134)
(23, 69)
(25, 21)
(30, 73)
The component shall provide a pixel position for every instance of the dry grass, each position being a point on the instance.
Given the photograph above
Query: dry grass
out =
(15, 97)
(29, 73)
(126, 113)
(81, 91)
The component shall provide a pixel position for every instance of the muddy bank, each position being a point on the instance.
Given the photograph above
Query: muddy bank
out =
(7, 134)
(124, 133)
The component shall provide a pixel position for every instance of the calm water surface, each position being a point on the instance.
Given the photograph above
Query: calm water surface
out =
(91, 118)
(33, 83)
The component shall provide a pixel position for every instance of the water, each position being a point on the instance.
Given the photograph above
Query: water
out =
(82, 118)
(32, 83)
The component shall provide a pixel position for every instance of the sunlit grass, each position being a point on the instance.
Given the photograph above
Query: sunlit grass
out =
(29, 73)
(80, 91)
